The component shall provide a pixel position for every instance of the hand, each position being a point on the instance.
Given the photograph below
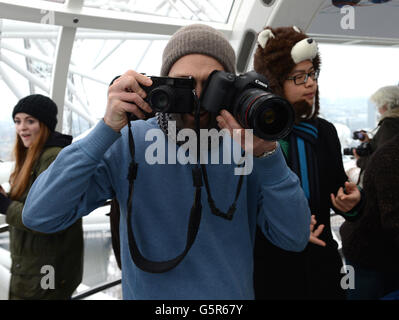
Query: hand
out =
(126, 95)
(314, 235)
(257, 146)
(355, 154)
(345, 201)
(4, 201)
(3, 192)
(366, 136)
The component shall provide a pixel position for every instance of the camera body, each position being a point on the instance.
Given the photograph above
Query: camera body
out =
(358, 135)
(248, 98)
(171, 95)
(362, 150)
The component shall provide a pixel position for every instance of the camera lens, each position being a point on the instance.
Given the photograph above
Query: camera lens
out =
(161, 99)
(348, 151)
(270, 116)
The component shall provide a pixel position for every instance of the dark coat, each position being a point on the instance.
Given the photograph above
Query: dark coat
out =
(315, 272)
(373, 240)
(31, 251)
(387, 128)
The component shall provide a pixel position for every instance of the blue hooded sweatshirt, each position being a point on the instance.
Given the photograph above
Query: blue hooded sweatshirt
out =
(219, 265)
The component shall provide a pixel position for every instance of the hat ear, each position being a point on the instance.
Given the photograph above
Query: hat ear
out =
(264, 36)
(296, 29)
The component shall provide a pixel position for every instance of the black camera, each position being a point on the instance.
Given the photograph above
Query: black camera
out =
(362, 150)
(358, 135)
(171, 95)
(248, 98)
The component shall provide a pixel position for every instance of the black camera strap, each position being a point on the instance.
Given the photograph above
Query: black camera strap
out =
(230, 212)
(193, 224)
(198, 172)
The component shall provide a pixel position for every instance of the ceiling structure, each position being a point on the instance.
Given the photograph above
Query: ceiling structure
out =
(54, 31)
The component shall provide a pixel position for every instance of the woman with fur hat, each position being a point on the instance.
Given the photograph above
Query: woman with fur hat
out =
(291, 62)
(37, 145)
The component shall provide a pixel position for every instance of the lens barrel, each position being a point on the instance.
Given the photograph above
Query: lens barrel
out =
(270, 116)
(162, 98)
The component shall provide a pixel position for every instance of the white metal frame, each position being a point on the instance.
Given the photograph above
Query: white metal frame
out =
(69, 17)
(96, 23)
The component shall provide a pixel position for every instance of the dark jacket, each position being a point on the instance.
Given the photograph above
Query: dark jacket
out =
(373, 240)
(387, 128)
(315, 272)
(31, 251)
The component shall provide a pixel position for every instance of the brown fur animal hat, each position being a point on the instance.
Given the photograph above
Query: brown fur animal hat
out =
(279, 50)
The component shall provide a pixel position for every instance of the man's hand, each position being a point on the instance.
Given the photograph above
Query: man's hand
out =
(258, 145)
(126, 95)
(345, 201)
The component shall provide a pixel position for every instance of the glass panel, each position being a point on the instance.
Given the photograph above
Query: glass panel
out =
(27, 51)
(196, 10)
(97, 61)
(346, 84)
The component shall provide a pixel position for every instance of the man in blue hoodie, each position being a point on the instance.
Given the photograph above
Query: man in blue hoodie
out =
(218, 260)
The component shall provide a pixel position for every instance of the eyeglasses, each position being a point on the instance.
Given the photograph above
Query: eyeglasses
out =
(303, 77)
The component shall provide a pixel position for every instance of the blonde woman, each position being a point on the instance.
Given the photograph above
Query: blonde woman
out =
(44, 266)
(386, 100)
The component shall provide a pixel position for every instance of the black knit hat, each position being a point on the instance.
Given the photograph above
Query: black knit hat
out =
(41, 107)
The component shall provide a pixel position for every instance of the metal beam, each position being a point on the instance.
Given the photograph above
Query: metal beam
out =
(87, 34)
(10, 84)
(60, 70)
(96, 18)
(31, 77)
(294, 12)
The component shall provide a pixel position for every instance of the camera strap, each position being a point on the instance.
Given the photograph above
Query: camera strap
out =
(199, 172)
(230, 212)
(193, 224)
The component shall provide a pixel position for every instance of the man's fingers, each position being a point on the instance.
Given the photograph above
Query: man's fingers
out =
(134, 98)
(132, 81)
(133, 109)
(223, 124)
(230, 120)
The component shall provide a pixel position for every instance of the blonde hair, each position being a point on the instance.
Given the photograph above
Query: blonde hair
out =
(386, 96)
(25, 158)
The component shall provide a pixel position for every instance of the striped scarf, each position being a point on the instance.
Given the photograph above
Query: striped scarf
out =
(302, 159)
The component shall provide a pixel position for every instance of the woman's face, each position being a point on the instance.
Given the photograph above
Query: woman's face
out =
(27, 128)
(382, 109)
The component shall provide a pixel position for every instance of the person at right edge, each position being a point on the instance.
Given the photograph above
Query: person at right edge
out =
(371, 243)
(290, 61)
(386, 100)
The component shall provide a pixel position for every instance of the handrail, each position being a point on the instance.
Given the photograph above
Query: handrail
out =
(4, 228)
(96, 289)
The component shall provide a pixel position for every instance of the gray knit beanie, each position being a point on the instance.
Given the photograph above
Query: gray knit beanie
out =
(200, 39)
